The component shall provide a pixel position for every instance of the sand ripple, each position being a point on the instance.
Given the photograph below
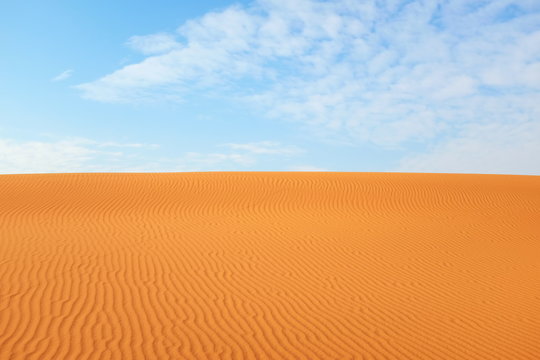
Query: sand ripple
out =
(269, 266)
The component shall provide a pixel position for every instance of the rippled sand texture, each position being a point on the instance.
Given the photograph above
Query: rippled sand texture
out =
(269, 266)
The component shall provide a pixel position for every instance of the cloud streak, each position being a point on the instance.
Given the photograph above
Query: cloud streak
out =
(85, 155)
(153, 44)
(64, 155)
(487, 149)
(237, 156)
(63, 76)
(265, 147)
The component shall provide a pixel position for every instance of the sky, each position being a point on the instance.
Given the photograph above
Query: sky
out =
(270, 85)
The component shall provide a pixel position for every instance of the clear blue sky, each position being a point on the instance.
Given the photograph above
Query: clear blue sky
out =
(338, 85)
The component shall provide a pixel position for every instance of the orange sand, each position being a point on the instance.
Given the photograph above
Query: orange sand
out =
(269, 266)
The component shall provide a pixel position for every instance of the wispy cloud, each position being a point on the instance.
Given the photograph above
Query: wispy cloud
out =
(488, 148)
(111, 144)
(193, 161)
(86, 155)
(237, 157)
(153, 44)
(307, 168)
(387, 72)
(265, 147)
(63, 76)
(64, 155)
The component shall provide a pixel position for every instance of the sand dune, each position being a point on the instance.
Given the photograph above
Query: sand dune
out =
(269, 266)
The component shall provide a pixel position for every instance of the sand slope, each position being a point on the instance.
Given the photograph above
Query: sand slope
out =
(270, 266)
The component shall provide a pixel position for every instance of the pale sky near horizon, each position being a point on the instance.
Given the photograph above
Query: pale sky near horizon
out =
(270, 85)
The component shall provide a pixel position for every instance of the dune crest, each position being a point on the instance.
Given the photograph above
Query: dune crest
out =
(269, 266)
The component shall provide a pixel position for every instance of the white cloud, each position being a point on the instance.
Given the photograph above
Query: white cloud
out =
(153, 44)
(63, 76)
(238, 157)
(489, 148)
(85, 155)
(127, 145)
(193, 161)
(65, 155)
(266, 147)
(385, 72)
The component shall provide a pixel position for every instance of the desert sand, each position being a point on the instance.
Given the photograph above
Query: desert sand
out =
(269, 266)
